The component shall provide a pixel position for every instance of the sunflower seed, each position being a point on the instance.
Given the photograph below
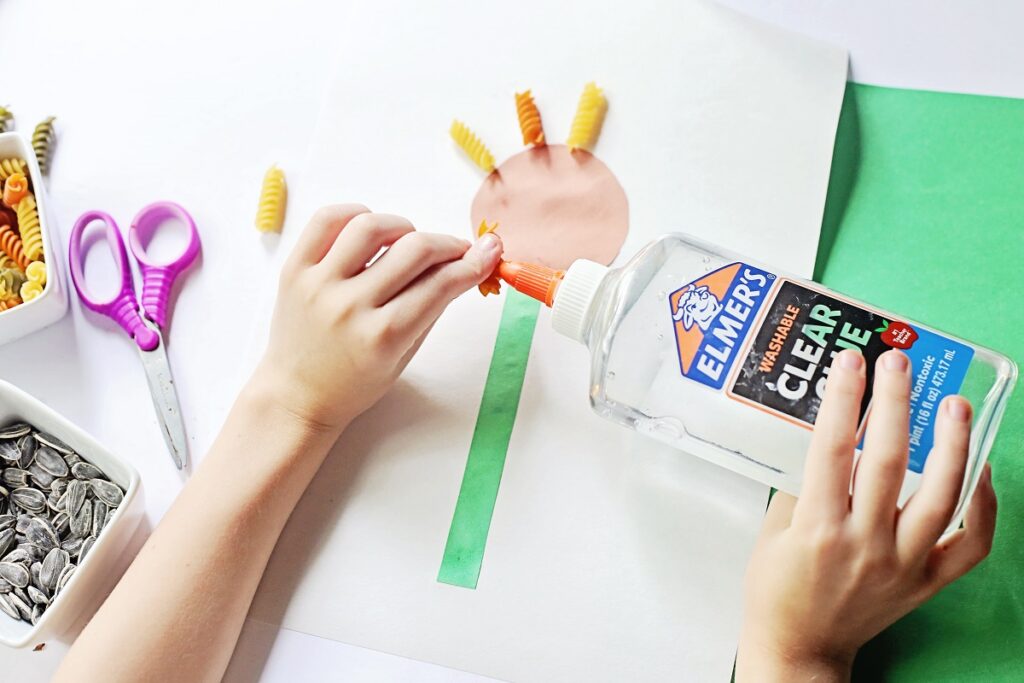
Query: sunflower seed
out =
(50, 460)
(27, 445)
(14, 574)
(41, 477)
(5, 587)
(7, 522)
(86, 470)
(59, 486)
(52, 567)
(14, 431)
(32, 500)
(8, 607)
(9, 451)
(86, 547)
(54, 443)
(6, 539)
(14, 477)
(22, 524)
(109, 493)
(61, 523)
(21, 605)
(76, 495)
(41, 533)
(34, 551)
(72, 545)
(17, 556)
(65, 576)
(99, 517)
(37, 596)
(36, 570)
(81, 522)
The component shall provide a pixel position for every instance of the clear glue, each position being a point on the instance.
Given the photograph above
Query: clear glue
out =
(726, 358)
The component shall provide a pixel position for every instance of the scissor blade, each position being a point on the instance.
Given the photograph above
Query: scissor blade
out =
(165, 401)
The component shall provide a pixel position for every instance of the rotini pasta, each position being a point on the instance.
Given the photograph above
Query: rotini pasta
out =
(28, 225)
(273, 198)
(10, 302)
(472, 146)
(5, 118)
(492, 285)
(36, 272)
(11, 280)
(9, 167)
(30, 290)
(43, 138)
(586, 125)
(12, 246)
(6, 262)
(15, 189)
(529, 119)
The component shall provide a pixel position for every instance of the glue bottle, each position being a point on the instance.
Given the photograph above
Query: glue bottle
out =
(727, 358)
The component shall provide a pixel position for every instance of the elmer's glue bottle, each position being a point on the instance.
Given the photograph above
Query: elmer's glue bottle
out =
(726, 358)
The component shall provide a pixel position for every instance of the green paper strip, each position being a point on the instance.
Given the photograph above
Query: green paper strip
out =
(467, 537)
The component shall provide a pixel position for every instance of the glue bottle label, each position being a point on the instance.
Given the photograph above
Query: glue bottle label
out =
(769, 342)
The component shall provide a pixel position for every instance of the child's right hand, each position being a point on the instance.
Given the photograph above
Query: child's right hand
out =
(342, 331)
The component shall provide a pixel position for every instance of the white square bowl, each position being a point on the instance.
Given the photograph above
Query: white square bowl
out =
(50, 306)
(93, 575)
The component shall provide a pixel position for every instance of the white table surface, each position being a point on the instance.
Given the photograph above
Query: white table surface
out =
(192, 101)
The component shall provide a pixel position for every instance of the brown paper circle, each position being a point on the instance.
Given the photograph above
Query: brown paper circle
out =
(554, 206)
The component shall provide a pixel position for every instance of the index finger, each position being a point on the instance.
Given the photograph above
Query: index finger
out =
(825, 494)
(321, 231)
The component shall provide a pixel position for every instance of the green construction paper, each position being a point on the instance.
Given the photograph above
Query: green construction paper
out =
(467, 537)
(925, 216)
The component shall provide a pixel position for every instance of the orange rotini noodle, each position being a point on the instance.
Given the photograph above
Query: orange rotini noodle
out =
(474, 148)
(9, 167)
(586, 125)
(529, 119)
(12, 246)
(28, 225)
(9, 302)
(492, 285)
(15, 189)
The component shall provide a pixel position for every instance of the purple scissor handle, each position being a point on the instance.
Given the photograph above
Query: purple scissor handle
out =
(157, 278)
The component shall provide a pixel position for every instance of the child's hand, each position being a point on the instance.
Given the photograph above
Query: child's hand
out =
(832, 570)
(343, 331)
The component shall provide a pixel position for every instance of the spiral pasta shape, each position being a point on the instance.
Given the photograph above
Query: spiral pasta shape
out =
(12, 246)
(273, 198)
(36, 272)
(5, 118)
(586, 125)
(43, 138)
(30, 290)
(529, 119)
(15, 189)
(28, 225)
(472, 146)
(11, 280)
(7, 263)
(9, 167)
(9, 302)
(492, 285)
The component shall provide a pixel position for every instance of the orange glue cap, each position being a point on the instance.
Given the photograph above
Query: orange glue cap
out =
(536, 281)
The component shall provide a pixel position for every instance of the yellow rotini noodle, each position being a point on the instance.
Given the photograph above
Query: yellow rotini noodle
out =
(9, 167)
(7, 262)
(472, 146)
(30, 290)
(43, 138)
(586, 125)
(36, 272)
(28, 225)
(273, 197)
(9, 302)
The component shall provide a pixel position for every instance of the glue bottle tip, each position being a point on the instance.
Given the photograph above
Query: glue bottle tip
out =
(533, 280)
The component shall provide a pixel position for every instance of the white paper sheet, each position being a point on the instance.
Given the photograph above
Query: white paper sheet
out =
(610, 557)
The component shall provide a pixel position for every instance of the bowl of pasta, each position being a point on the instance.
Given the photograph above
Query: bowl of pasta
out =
(33, 293)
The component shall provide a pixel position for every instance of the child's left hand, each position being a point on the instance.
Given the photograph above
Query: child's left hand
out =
(347, 321)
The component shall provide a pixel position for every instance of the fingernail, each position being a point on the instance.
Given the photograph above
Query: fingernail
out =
(958, 409)
(488, 244)
(850, 360)
(894, 361)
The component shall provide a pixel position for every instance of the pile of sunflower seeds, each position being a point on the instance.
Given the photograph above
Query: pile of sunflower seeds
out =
(53, 506)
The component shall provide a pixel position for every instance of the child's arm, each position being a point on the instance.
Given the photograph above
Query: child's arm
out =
(833, 570)
(342, 332)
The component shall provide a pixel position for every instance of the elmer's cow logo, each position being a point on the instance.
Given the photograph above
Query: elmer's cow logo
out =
(712, 317)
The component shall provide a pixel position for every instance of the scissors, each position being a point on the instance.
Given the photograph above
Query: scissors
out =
(143, 323)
